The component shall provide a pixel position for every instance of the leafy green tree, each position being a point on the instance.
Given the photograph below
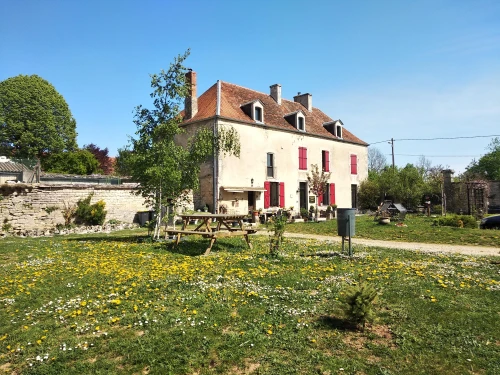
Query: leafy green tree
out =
(410, 186)
(81, 162)
(163, 159)
(488, 166)
(123, 162)
(369, 194)
(34, 118)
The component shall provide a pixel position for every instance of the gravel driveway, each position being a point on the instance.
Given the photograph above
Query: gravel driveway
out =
(424, 247)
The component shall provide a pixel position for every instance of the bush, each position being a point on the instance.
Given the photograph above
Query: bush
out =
(303, 213)
(90, 214)
(359, 300)
(437, 209)
(457, 221)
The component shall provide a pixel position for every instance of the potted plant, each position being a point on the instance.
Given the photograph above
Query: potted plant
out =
(328, 213)
(303, 213)
(311, 213)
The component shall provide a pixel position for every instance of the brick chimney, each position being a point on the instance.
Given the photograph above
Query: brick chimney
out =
(276, 92)
(191, 101)
(305, 100)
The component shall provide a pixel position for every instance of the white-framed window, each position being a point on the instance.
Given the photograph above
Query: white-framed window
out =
(255, 110)
(271, 172)
(257, 114)
(297, 120)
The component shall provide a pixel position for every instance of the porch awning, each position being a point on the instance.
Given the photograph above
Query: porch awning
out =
(241, 189)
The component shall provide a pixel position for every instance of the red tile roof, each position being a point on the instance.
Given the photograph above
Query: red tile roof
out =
(233, 96)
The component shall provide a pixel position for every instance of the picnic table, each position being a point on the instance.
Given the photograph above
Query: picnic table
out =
(223, 228)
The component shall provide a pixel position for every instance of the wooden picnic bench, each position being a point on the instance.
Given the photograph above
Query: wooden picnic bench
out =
(205, 229)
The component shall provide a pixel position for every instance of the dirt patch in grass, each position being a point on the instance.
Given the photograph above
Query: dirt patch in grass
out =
(250, 367)
(358, 340)
(5, 368)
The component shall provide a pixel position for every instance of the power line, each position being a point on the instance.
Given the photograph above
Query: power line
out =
(437, 139)
(440, 156)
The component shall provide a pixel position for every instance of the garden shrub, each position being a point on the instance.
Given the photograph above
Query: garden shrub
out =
(358, 303)
(457, 221)
(90, 214)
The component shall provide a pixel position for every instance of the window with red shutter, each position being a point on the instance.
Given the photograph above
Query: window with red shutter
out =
(332, 194)
(282, 194)
(267, 194)
(354, 164)
(302, 158)
(325, 160)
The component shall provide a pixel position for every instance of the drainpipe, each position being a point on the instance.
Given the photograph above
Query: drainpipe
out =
(215, 173)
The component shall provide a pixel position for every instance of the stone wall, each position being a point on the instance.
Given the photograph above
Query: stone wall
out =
(28, 207)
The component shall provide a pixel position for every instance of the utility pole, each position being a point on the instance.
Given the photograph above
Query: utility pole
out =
(392, 146)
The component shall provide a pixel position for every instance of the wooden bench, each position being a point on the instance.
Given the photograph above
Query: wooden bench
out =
(212, 235)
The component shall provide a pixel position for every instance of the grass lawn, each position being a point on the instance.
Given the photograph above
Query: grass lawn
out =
(113, 304)
(418, 229)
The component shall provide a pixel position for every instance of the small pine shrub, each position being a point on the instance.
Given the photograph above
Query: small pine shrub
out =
(457, 221)
(90, 214)
(358, 302)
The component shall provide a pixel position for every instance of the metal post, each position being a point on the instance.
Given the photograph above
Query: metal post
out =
(392, 146)
(349, 232)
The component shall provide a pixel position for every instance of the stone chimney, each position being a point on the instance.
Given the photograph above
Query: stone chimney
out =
(305, 100)
(191, 101)
(276, 92)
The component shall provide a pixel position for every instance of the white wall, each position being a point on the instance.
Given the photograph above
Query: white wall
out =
(257, 141)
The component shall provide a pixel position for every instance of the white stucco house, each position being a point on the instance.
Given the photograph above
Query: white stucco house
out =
(280, 140)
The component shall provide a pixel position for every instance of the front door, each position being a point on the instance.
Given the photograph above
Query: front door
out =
(354, 196)
(303, 194)
(251, 200)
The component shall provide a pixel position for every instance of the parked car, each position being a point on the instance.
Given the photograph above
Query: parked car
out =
(490, 222)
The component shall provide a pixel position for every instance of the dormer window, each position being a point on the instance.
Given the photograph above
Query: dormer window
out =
(338, 130)
(301, 123)
(335, 128)
(257, 114)
(297, 120)
(255, 110)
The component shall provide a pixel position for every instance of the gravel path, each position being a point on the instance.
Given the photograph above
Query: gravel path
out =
(425, 247)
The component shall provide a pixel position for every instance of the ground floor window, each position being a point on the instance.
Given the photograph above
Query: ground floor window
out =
(326, 195)
(275, 194)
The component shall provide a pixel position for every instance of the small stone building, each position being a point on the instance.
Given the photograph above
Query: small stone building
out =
(11, 171)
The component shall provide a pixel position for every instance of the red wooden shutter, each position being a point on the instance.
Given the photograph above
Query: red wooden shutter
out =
(332, 193)
(320, 199)
(354, 164)
(325, 155)
(267, 194)
(302, 158)
(282, 194)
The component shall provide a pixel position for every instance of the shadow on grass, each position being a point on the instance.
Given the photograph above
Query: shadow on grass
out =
(129, 238)
(332, 322)
(197, 247)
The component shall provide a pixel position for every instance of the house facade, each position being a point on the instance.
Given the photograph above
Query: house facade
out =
(280, 141)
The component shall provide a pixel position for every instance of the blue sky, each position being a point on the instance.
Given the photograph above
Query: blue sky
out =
(388, 69)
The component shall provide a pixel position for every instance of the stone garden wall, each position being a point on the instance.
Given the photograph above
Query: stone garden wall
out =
(36, 207)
